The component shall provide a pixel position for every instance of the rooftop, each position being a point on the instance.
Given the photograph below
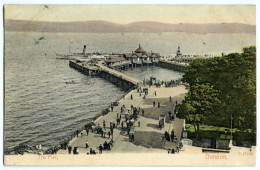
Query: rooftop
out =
(140, 49)
(115, 59)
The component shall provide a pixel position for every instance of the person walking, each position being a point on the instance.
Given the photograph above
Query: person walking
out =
(104, 124)
(101, 132)
(133, 137)
(170, 98)
(158, 104)
(69, 149)
(165, 134)
(75, 151)
(109, 134)
(104, 133)
(87, 130)
(122, 124)
(86, 143)
(77, 133)
(111, 131)
(172, 135)
(153, 103)
(131, 97)
(100, 148)
(118, 121)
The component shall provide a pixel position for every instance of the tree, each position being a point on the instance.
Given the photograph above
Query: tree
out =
(198, 104)
(221, 88)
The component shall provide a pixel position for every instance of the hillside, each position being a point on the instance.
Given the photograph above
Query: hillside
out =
(100, 26)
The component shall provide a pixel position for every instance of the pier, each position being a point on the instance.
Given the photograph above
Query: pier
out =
(140, 117)
(84, 68)
(117, 77)
(109, 74)
(172, 65)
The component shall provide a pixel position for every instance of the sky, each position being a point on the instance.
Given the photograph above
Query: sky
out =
(124, 14)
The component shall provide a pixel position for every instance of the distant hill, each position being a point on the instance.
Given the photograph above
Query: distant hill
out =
(100, 26)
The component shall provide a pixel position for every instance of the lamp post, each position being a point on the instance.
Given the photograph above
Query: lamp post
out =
(231, 137)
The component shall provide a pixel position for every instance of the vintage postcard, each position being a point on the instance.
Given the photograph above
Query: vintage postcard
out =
(130, 85)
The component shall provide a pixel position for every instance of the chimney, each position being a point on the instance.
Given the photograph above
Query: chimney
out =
(84, 49)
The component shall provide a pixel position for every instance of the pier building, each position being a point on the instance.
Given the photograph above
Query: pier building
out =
(141, 57)
(180, 58)
(117, 62)
(178, 53)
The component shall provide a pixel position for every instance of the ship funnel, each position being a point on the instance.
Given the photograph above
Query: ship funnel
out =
(84, 49)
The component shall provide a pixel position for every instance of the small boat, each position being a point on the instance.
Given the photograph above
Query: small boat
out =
(41, 38)
(71, 82)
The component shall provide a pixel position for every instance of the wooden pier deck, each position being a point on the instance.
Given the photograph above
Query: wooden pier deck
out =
(173, 65)
(118, 74)
(85, 68)
(115, 76)
(176, 63)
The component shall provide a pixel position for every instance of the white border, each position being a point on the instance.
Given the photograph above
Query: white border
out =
(224, 2)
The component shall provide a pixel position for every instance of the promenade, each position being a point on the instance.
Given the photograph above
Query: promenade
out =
(147, 135)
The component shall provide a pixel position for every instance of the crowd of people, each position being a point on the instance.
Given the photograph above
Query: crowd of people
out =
(177, 150)
(125, 119)
(158, 83)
